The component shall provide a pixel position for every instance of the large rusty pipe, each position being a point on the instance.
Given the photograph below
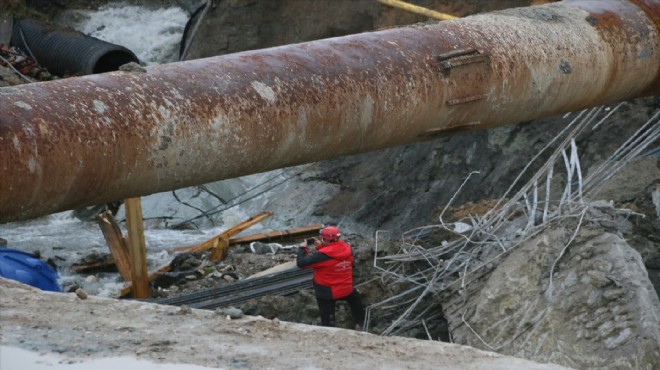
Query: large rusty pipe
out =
(93, 139)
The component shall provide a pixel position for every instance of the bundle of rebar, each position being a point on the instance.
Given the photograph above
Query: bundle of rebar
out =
(426, 275)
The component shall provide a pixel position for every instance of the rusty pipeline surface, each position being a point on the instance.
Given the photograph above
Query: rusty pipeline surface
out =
(89, 140)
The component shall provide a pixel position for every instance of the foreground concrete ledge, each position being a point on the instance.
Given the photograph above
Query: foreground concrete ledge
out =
(98, 327)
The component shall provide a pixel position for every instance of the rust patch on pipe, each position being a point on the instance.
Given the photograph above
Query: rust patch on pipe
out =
(652, 10)
(618, 21)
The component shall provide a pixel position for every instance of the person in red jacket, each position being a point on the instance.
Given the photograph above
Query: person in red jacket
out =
(333, 275)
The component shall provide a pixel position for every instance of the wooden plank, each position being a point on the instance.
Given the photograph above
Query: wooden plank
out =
(137, 248)
(220, 250)
(280, 235)
(219, 245)
(116, 243)
(213, 242)
(277, 268)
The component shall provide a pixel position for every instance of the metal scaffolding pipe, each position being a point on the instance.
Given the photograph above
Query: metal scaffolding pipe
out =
(93, 139)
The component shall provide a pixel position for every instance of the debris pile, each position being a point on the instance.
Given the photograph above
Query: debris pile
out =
(19, 68)
(445, 270)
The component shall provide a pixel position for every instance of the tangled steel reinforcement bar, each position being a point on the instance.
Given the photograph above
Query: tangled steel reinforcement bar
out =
(98, 138)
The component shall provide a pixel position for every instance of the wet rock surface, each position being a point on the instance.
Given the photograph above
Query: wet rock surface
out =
(594, 298)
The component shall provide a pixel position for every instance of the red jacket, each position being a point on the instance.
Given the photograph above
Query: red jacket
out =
(333, 269)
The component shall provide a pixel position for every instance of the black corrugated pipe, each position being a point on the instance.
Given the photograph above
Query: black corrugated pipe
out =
(68, 52)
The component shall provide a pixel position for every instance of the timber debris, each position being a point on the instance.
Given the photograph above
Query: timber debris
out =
(24, 67)
(217, 246)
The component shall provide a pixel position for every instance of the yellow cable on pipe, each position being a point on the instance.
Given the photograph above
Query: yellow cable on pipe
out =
(418, 9)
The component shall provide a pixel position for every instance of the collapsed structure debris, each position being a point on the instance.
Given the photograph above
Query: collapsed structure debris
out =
(217, 246)
(432, 281)
(477, 243)
(25, 68)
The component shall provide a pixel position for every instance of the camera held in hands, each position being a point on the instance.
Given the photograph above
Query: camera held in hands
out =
(310, 241)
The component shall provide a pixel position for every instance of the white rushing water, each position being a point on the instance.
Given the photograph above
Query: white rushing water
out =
(154, 36)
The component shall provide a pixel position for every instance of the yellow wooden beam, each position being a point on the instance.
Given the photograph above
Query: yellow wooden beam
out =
(213, 242)
(116, 243)
(220, 249)
(300, 232)
(137, 248)
(219, 246)
(279, 235)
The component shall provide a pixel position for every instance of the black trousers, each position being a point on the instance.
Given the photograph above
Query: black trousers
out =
(327, 309)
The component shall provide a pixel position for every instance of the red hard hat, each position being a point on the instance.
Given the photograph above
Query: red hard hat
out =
(330, 233)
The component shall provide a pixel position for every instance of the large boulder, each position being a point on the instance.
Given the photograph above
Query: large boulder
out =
(575, 294)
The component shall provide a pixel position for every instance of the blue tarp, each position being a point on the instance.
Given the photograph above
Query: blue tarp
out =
(28, 269)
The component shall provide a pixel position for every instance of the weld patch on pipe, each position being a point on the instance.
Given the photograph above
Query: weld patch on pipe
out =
(265, 91)
(366, 113)
(33, 166)
(302, 122)
(17, 143)
(24, 105)
(218, 124)
(99, 106)
(366, 117)
(9, 91)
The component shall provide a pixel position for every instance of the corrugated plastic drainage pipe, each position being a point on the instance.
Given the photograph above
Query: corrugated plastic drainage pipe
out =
(68, 52)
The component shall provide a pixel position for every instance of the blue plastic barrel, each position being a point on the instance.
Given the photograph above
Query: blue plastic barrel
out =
(26, 268)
